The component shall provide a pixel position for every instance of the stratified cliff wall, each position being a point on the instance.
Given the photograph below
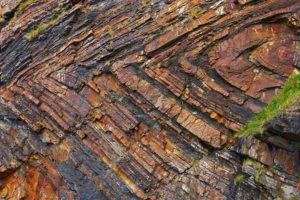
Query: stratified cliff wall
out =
(140, 99)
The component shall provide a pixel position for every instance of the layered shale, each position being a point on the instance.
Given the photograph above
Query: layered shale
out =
(142, 99)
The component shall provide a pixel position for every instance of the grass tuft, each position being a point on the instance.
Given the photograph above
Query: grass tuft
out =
(286, 97)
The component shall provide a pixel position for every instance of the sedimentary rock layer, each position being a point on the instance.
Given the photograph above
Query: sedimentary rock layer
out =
(140, 99)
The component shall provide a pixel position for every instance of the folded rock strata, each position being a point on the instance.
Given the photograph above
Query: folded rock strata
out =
(140, 99)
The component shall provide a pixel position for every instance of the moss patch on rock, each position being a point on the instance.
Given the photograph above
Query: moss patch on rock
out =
(23, 6)
(258, 168)
(41, 27)
(287, 96)
(240, 178)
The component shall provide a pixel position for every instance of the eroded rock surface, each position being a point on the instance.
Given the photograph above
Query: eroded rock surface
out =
(139, 99)
(286, 124)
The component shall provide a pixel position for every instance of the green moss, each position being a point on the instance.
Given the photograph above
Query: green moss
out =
(286, 97)
(249, 161)
(23, 6)
(259, 168)
(172, 101)
(96, 114)
(151, 36)
(240, 178)
(195, 12)
(142, 83)
(34, 33)
(259, 172)
(111, 32)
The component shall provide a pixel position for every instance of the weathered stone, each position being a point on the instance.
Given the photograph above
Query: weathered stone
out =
(286, 124)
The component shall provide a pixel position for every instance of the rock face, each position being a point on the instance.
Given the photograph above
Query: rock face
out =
(140, 99)
(286, 124)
